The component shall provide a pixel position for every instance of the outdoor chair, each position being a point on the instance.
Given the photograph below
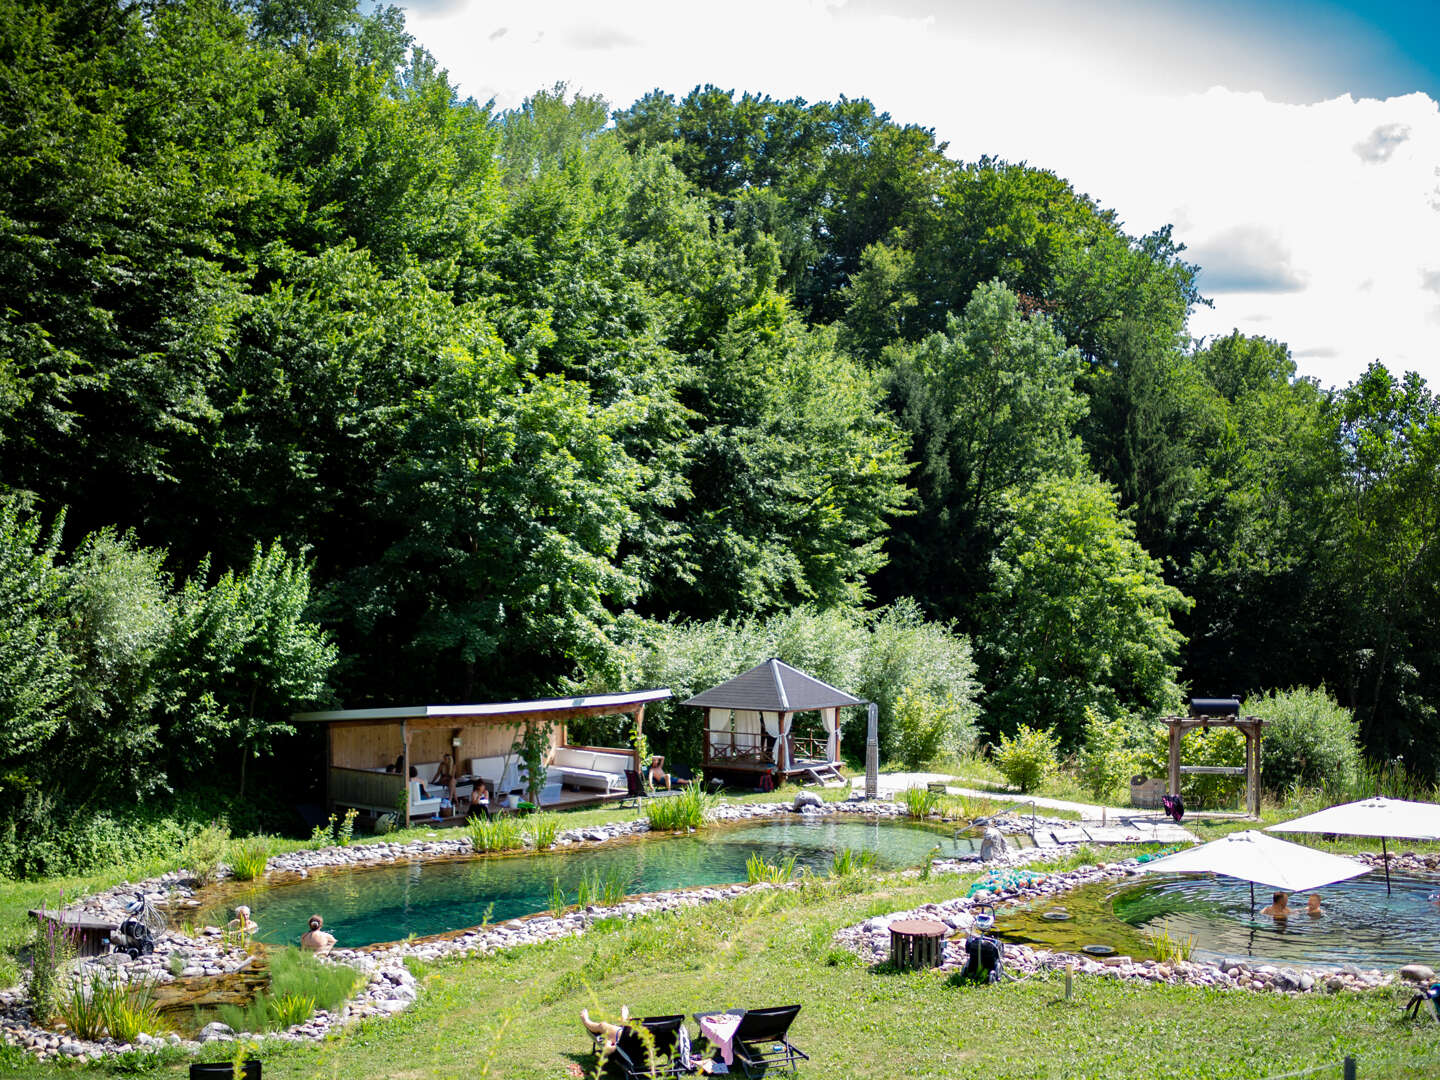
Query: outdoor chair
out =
(762, 1040)
(635, 789)
(652, 1054)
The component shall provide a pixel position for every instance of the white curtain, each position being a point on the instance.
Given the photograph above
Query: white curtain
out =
(831, 719)
(772, 728)
(783, 757)
(747, 729)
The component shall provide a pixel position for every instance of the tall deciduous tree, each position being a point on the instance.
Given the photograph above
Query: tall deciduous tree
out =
(1080, 616)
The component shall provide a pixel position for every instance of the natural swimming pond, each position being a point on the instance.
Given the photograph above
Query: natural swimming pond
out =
(389, 903)
(1360, 924)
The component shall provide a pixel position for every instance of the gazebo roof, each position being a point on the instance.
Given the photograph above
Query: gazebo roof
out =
(773, 686)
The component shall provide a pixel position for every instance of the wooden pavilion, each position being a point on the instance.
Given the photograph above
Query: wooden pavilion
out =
(749, 725)
(364, 745)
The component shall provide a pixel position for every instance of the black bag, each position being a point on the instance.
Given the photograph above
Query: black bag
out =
(983, 960)
(1174, 806)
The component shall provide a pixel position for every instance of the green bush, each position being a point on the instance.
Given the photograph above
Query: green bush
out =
(1308, 739)
(921, 728)
(1029, 758)
(1105, 763)
(205, 852)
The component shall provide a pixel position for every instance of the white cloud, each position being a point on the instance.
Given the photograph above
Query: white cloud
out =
(1317, 222)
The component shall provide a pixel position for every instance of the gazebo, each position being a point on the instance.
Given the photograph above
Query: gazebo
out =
(748, 724)
(363, 745)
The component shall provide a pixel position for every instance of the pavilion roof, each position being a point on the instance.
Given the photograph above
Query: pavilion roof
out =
(773, 686)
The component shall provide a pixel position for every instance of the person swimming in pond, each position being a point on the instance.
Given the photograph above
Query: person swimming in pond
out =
(1313, 907)
(317, 940)
(1279, 907)
(242, 923)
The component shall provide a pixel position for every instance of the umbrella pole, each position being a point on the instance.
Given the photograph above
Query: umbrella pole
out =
(1252, 898)
(1386, 856)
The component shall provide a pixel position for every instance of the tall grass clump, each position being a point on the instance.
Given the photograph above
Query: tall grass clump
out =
(204, 853)
(542, 829)
(85, 1001)
(248, 858)
(134, 1010)
(920, 802)
(595, 889)
(501, 833)
(299, 984)
(1170, 950)
(688, 810)
(757, 869)
(848, 862)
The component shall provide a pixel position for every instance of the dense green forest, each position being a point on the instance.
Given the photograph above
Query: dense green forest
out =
(320, 383)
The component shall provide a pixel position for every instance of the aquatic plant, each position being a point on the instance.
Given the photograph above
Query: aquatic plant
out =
(248, 858)
(849, 862)
(688, 810)
(496, 834)
(542, 829)
(1168, 949)
(920, 802)
(757, 869)
(131, 1011)
(597, 889)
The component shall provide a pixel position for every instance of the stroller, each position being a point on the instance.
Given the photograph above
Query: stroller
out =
(984, 957)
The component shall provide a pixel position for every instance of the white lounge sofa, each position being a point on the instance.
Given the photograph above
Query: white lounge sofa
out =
(420, 807)
(595, 770)
(489, 770)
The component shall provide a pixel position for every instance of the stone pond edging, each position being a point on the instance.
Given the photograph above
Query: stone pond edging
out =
(870, 941)
(389, 986)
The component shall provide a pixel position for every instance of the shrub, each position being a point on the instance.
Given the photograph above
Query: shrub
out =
(204, 853)
(1029, 758)
(921, 728)
(248, 858)
(1106, 762)
(1309, 739)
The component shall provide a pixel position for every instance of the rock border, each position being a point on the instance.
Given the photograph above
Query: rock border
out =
(870, 940)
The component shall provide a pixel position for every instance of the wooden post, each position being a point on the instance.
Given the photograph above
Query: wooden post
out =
(1172, 723)
(329, 763)
(405, 768)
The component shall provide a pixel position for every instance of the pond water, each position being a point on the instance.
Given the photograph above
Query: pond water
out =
(389, 903)
(1360, 924)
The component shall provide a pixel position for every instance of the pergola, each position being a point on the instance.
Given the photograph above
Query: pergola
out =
(361, 744)
(748, 723)
(1206, 713)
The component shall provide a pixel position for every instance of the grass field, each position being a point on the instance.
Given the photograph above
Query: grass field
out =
(515, 1014)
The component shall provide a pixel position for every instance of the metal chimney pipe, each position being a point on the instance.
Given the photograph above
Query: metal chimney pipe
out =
(872, 752)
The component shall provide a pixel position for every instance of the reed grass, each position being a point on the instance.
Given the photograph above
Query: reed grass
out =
(757, 869)
(248, 858)
(920, 803)
(688, 810)
(541, 830)
(501, 833)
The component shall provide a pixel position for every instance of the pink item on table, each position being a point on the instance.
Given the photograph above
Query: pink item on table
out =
(719, 1028)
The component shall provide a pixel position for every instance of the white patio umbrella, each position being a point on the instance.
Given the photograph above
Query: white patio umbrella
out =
(1372, 817)
(1252, 856)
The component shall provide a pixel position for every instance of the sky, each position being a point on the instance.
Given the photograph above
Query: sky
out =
(1294, 145)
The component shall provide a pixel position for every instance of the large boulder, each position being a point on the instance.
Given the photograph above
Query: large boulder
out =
(993, 844)
(1418, 973)
(217, 1030)
(808, 799)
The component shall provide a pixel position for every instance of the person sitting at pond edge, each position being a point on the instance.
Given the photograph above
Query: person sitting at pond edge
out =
(315, 939)
(1313, 907)
(242, 923)
(609, 1034)
(1279, 907)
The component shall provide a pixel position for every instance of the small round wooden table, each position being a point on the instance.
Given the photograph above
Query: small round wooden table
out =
(917, 943)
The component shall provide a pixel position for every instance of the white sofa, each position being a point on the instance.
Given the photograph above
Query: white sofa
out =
(488, 769)
(423, 807)
(596, 770)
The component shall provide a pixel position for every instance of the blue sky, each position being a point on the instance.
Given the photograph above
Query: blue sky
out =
(1294, 146)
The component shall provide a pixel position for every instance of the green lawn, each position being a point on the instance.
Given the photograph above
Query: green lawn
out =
(515, 1014)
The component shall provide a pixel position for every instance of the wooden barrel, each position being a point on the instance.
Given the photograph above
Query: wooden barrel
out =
(917, 943)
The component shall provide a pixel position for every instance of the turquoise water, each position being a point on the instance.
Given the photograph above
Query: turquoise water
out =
(362, 907)
(1360, 924)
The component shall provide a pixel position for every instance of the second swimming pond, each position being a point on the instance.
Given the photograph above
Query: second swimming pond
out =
(389, 903)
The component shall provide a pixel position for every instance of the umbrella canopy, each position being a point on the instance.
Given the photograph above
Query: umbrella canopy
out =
(1371, 817)
(1253, 856)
